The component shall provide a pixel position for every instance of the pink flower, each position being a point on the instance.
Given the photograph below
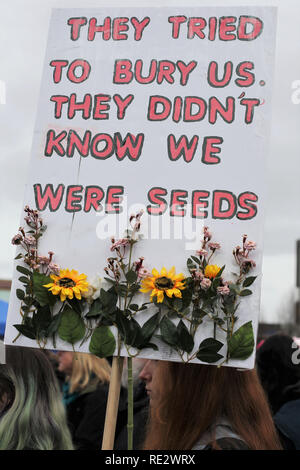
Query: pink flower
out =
(205, 283)
(201, 252)
(138, 264)
(54, 268)
(207, 234)
(249, 245)
(214, 246)
(119, 243)
(143, 273)
(29, 240)
(246, 265)
(224, 290)
(198, 275)
(17, 239)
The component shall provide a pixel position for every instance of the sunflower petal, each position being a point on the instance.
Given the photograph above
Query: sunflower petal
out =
(171, 273)
(164, 272)
(170, 292)
(55, 290)
(155, 272)
(177, 293)
(70, 293)
(179, 277)
(145, 289)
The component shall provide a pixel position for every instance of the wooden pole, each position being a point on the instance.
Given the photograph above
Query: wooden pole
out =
(112, 404)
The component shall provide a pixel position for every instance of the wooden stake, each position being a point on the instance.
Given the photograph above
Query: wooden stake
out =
(112, 404)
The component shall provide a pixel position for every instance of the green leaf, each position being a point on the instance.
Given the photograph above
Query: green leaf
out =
(75, 304)
(208, 350)
(19, 256)
(233, 288)
(186, 342)
(221, 271)
(26, 330)
(148, 330)
(41, 293)
(109, 298)
(151, 346)
(72, 327)
(199, 313)
(129, 329)
(249, 280)
(169, 332)
(42, 319)
(195, 259)
(241, 343)
(177, 303)
(23, 270)
(143, 307)
(131, 276)
(190, 264)
(24, 279)
(186, 298)
(134, 307)
(215, 283)
(103, 343)
(20, 294)
(245, 292)
(53, 326)
(121, 289)
(95, 309)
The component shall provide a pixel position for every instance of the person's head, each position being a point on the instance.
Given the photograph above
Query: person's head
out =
(82, 368)
(278, 367)
(186, 399)
(7, 393)
(33, 416)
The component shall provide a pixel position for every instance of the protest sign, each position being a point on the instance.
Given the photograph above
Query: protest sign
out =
(166, 110)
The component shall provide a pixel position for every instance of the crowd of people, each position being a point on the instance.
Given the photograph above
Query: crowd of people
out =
(57, 400)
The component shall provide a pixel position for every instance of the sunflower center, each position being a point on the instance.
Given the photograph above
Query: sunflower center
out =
(66, 282)
(164, 283)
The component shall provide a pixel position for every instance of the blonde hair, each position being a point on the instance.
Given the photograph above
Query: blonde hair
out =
(84, 366)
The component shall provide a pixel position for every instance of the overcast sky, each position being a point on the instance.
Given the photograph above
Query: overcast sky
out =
(23, 36)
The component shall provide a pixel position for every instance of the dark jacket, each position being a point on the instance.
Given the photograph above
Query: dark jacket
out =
(86, 416)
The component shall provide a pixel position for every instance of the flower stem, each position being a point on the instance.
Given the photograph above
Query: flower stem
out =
(130, 424)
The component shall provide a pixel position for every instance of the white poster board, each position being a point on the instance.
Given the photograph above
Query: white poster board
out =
(166, 109)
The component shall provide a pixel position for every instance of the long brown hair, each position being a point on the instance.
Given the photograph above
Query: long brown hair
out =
(193, 396)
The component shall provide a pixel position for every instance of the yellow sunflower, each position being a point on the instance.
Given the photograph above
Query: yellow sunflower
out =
(165, 282)
(68, 284)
